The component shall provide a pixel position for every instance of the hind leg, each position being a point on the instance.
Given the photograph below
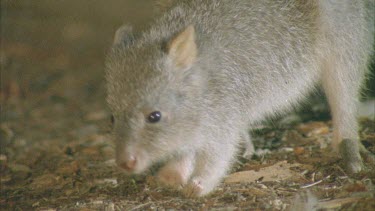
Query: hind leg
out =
(341, 82)
(248, 145)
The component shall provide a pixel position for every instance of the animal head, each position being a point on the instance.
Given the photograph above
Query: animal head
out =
(153, 90)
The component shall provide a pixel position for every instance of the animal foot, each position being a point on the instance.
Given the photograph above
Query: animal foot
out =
(171, 177)
(349, 151)
(193, 189)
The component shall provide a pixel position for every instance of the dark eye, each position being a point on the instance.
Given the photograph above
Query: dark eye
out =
(154, 117)
(112, 119)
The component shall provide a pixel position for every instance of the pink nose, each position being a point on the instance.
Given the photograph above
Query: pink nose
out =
(129, 165)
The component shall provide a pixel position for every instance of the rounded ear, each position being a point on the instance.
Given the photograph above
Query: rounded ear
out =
(123, 35)
(163, 5)
(182, 49)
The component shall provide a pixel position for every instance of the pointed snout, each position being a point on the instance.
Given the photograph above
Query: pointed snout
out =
(128, 164)
(132, 159)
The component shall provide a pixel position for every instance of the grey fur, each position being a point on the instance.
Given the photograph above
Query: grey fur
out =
(255, 58)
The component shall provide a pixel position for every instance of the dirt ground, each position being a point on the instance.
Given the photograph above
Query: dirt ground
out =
(55, 153)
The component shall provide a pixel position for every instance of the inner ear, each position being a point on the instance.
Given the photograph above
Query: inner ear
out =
(124, 35)
(182, 48)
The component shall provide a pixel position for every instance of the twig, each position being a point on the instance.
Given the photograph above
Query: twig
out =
(312, 184)
(140, 206)
(336, 203)
(315, 183)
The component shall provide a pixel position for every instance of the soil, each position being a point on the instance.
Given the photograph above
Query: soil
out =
(55, 152)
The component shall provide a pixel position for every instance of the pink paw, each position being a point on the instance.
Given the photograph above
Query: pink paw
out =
(171, 178)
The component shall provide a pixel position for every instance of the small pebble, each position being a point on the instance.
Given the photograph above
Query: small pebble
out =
(299, 150)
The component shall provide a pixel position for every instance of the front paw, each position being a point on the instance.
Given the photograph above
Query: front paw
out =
(171, 177)
(193, 189)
